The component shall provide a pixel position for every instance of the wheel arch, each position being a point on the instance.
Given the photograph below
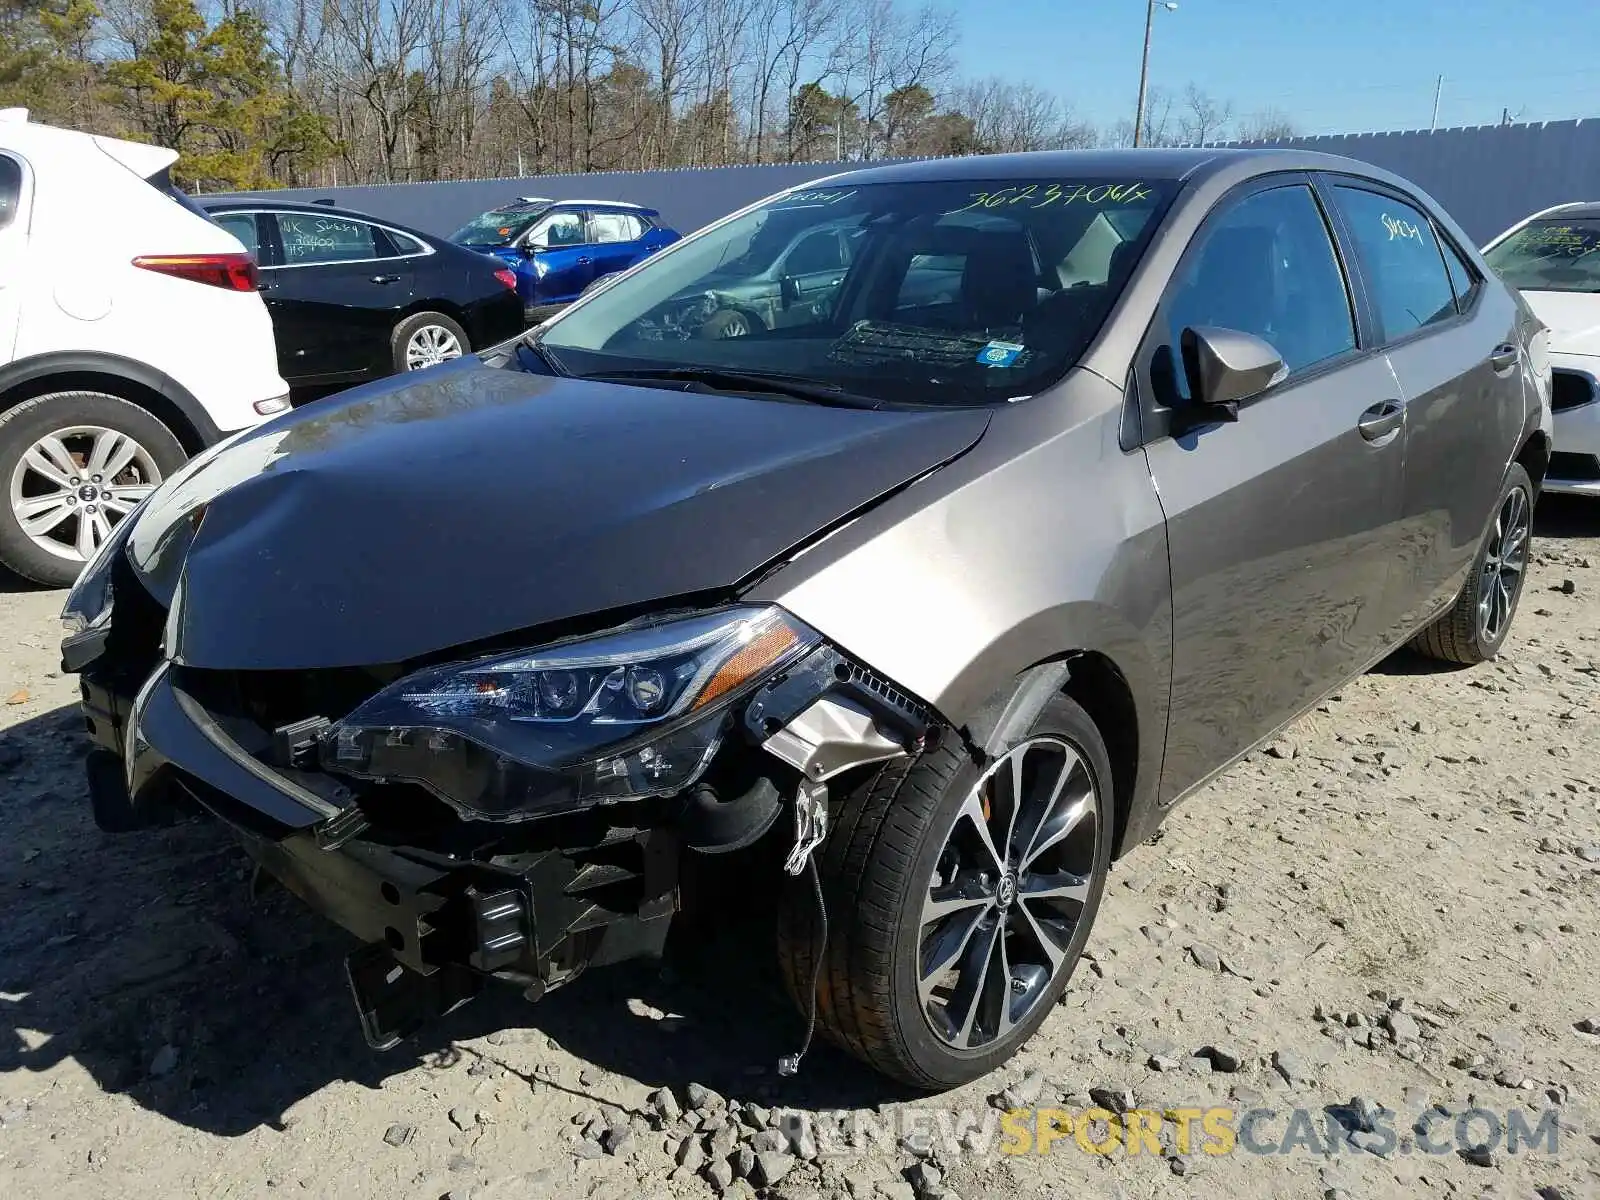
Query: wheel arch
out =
(1534, 455)
(158, 394)
(1115, 683)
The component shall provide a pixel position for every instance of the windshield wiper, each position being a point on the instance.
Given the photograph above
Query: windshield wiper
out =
(771, 383)
(535, 344)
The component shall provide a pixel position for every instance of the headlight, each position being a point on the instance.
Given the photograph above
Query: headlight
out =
(634, 713)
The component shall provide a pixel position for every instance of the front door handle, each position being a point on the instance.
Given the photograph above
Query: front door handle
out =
(1504, 359)
(386, 279)
(1381, 420)
(584, 260)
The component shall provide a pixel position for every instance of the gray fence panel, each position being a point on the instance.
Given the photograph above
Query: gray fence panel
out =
(1488, 177)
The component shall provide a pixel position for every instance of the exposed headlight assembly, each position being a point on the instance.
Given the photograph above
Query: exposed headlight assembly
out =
(629, 714)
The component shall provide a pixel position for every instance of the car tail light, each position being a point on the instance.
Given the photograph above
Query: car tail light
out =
(508, 277)
(234, 271)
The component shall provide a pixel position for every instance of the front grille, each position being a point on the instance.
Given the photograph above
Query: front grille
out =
(1574, 468)
(1570, 389)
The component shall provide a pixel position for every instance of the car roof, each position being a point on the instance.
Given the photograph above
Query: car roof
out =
(1579, 209)
(258, 203)
(1154, 164)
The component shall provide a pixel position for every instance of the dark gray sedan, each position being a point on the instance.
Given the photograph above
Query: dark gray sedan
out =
(1085, 474)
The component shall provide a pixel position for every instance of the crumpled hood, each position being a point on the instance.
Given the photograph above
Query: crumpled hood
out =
(421, 513)
(1573, 318)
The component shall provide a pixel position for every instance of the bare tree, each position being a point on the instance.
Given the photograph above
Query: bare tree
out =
(1009, 117)
(1268, 125)
(1203, 118)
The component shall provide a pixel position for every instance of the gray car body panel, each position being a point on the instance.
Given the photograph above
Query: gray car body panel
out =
(1233, 577)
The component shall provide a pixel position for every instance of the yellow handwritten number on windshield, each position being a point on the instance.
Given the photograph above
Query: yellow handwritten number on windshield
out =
(1056, 193)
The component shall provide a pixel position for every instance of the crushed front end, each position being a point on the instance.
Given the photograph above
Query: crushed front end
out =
(520, 814)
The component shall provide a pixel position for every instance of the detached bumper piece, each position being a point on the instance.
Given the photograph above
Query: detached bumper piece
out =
(570, 894)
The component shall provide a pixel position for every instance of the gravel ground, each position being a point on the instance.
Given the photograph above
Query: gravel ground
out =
(1393, 906)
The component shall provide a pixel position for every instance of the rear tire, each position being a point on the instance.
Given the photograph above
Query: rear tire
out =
(426, 339)
(1475, 627)
(898, 838)
(47, 448)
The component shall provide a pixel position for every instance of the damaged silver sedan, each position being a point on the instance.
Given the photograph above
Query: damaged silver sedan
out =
(1063, 481)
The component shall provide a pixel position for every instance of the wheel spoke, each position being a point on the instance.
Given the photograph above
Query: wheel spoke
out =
(972, 813)
(40, 464)
(973, 978)
(56, 450)
(125, 497)
(1054, 952)
(86, 536)
(945, 948)
(1062, 885)
(40, 514)
(111, 455)
(1062, 818)
(953, 898)
(999, 986)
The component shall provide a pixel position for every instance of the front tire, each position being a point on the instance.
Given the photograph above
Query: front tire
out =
(1477, 624)
(956, 912)
(426, 339)
(72, 465)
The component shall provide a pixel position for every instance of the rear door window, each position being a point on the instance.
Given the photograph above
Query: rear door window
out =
(1400, 256)
(309, 239)
(614, 227)
(10, 190)
(243, 227)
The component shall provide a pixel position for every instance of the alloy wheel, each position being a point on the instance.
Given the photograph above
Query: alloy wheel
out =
(1503, 565)
(71, 486)
(734, 326)
(431, 345)
(1009, 890)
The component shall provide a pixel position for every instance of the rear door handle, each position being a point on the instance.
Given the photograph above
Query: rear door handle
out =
(585, 261)
(386, 279)
(1504, 359)
(1381, 420)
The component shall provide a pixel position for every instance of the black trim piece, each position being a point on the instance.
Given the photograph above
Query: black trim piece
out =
(42, 366)
(1571, 389)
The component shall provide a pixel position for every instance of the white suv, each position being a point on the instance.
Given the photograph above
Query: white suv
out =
(1553, 257)
(131, 336)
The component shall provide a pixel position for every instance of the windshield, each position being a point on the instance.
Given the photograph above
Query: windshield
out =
(940, 293)
(1550, 256)
(498, 226)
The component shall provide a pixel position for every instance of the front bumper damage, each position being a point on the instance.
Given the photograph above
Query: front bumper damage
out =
(441, 903)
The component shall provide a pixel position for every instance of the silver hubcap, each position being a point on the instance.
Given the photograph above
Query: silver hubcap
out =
(430, 346)
(734, 326)
(1503, 566)
(73, 485)
(1008, 894)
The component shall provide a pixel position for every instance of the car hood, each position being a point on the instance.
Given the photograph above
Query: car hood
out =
(419, 514)
(1573, 318)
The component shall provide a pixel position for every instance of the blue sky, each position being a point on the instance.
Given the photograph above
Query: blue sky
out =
(1340, 65)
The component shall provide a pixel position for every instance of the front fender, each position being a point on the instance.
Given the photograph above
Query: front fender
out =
(1044, 541)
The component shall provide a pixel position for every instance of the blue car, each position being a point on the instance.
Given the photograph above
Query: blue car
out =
(559, 247)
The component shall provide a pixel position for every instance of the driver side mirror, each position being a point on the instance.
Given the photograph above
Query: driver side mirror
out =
(789, 290)
(1224, 367)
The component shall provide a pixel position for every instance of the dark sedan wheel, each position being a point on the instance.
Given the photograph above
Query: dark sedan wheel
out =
(427, 339)
(1476, 626)
(959, 900)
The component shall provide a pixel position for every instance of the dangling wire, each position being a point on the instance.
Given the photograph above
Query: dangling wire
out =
(790, 1063)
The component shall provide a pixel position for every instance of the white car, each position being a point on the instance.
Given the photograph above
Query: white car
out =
(1553, 257)
(131, 337)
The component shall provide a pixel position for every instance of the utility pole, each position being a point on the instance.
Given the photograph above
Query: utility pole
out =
(1144, 65)
(1438, 90)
